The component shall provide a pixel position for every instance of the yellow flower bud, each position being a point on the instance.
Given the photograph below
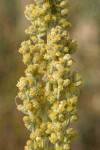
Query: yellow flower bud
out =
(64, 11)
(63, 3)
(47, 18)
(19, 107)
(29, 142)
(25, 118)
(32, 136)
(53, 138)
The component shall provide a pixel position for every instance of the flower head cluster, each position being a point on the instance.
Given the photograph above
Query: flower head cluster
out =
(49, 90)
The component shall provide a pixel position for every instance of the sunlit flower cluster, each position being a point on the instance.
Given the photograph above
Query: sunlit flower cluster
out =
(49, 90)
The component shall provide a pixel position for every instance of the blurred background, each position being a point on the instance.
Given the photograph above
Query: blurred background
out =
(85, 19)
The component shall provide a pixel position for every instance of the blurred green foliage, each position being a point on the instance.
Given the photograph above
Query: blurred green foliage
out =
(85, 20)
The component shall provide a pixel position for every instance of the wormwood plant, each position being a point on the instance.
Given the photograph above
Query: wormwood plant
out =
(49, 90)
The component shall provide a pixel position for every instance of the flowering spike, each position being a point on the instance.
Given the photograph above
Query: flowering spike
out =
(49, 90)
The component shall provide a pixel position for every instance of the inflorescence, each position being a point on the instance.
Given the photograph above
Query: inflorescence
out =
(49, 90)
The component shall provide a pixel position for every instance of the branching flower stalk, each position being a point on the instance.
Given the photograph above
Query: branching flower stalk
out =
(49, 90)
